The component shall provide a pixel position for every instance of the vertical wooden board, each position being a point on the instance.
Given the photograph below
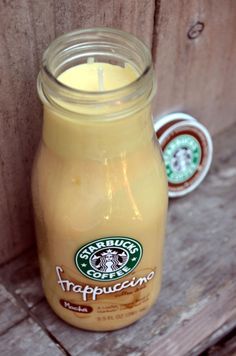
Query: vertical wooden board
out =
(19, 126)
(26, 29)
(196, 75)
(133, 16)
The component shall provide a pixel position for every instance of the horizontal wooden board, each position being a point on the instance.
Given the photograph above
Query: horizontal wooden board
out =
(225, 347)
(73, 340)
(28, 339)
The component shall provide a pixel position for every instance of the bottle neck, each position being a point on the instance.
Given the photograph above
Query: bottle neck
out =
(97, 140)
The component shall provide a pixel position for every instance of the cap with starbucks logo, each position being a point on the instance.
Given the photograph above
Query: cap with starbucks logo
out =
(187, 151)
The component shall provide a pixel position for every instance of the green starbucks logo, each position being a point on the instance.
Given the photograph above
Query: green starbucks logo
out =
(109, 258)
(182, 156)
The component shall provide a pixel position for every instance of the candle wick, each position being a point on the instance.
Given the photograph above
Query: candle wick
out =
(100, 78)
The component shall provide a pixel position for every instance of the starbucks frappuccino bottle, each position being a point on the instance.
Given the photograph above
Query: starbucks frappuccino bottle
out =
(99, 182)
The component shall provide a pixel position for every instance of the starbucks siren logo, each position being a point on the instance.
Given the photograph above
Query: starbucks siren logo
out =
(182, 156)
(109, 258)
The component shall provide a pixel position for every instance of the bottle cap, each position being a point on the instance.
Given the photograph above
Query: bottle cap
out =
(187, 151)
(168, 120)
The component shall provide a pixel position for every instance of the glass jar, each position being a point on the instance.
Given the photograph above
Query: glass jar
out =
(99, 183)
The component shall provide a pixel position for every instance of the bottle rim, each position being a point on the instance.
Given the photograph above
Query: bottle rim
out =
(77, 46)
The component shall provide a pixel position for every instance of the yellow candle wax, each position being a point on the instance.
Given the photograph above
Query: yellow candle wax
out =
(86, 76)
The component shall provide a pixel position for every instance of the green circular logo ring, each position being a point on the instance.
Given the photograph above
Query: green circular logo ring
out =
(109, 258)
(182, 157)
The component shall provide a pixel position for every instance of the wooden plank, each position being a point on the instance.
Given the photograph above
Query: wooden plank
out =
(225, 347)
(26, 29)
(73, 340)
(11, 311)
(195, 329)
(28, 339)
(195, 74)
(132, 16)
(197, 302)
(19, 127)
(21, 277)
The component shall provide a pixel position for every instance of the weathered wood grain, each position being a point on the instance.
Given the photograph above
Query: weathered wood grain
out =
(22, 278)
(133, 16)
(74, 341)
(196, 74)
(19, 127)
(226, 346)
(11, 312)
(197, 325)
(27, 339)
(26, 29)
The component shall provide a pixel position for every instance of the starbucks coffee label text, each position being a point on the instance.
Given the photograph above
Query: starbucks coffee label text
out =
(94, 291)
